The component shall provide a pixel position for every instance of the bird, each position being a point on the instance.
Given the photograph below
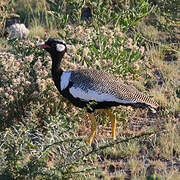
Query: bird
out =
(94, 90)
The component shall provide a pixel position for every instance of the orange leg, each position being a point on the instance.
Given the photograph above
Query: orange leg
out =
(93, 128)
(112, 118)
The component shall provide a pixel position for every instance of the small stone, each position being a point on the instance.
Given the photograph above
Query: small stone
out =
(18, 30)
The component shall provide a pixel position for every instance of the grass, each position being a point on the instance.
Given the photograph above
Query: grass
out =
(41, 134)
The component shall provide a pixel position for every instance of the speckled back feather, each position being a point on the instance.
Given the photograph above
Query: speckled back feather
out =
(102, 82)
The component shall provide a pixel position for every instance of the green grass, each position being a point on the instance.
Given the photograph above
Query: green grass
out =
(41, 134)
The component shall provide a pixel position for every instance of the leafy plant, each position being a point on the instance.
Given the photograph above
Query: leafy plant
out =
(110, 12)
(6, 11)
(65, 11)
(55, 153)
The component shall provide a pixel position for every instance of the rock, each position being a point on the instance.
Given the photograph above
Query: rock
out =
(11, 21)
(18, 30)
(4, 28)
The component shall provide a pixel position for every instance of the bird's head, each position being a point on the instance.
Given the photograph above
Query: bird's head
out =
(54, 46)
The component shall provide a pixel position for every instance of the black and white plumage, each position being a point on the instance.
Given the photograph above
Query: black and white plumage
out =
(103, 88)
(88, 85)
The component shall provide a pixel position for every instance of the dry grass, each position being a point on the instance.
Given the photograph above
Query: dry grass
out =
(4, 45)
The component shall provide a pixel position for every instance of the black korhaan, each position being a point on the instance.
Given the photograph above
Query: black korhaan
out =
(93, 89)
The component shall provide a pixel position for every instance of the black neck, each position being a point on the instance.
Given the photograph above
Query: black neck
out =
(56, 69)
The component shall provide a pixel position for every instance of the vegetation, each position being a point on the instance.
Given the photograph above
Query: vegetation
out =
(41, 134)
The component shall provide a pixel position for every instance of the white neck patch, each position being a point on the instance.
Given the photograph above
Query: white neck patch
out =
(60, 47)
(65, 78)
